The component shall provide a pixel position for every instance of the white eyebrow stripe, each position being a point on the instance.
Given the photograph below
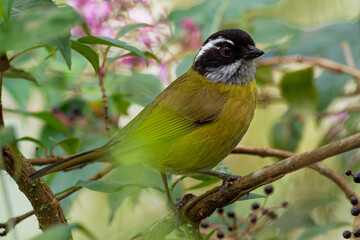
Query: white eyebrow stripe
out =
(211, 44)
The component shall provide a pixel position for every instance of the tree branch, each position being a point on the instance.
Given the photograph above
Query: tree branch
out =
(18, 219)
(321, 62)
(198, 208)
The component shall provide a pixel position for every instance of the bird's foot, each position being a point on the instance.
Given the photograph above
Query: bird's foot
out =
(227, 178)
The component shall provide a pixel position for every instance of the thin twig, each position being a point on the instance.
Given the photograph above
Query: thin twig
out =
(321, 62)
(105, 102)
(319, 167)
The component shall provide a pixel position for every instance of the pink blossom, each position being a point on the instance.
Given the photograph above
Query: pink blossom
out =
(163, 73)
(141, 15)
(192, 38)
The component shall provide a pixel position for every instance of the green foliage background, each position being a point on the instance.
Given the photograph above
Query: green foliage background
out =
(41, 84)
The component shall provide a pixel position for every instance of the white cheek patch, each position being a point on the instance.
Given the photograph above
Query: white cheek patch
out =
(211, 44)
(240, 72)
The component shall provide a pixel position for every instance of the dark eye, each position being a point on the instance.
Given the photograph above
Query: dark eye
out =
(226, 51)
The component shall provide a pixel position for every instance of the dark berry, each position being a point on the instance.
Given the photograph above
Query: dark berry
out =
(347, 234)
(269, 189)
(284, 204)
(357, 177)
(348, 172)
(272, 214)
(356, 233)
(265, 211)
(220, 211)
(354, 200)
(220, 235)
(231, 214)
(255, 206)
(253, 219)
(230, 229)
(204, 224)
(355, 211)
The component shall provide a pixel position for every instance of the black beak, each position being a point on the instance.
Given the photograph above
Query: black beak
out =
(252, 53)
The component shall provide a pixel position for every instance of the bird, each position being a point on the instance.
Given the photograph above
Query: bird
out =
(195, 122)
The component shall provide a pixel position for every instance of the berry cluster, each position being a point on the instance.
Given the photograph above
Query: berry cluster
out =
(235, 227)
(355, 211)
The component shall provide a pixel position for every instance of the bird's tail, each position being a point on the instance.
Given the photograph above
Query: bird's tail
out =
(71, 162)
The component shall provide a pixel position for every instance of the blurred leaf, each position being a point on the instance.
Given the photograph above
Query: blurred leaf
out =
(20, 93)
(208, 236)
(88, 53)
(119, 102)
(204, 183)
(184, 65)
(63, 232)
(64, 46)
(312, 232)
(38, 142)
(47, 117)
(114, 43)
(298, 89)
(132, 27)
(114, 186)
(264, 75)
(311, 12)
(287, 133)
(140, 88)
(250, 196)
(7, 136)
(70, 145)
(33, 26)
(13, 72)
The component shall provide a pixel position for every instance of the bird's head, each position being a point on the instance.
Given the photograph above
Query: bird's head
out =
(228, 57)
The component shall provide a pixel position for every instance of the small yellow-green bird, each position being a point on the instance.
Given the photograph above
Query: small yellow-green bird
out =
(196, 121)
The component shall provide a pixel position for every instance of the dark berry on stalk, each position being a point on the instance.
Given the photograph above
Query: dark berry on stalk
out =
(354, 200)
(255, 206)
(269, 189)
(220, 235)
(204, 225)
(272, 214)
(356, 233)
(231, 214)
(253, 219)
(348, 172)
(220, 211)
(284, 204)
(355, 211)
(265, 211)
(357, 177)
(230, 229)
(347, 234)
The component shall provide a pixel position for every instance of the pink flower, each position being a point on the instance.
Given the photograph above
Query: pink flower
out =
(163, 73)
(141, 15)
(192, 38)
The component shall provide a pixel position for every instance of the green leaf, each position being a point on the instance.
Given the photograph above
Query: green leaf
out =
(87, 52)
(204, 183)
(132, 27)
(70, 145)
(47, 117)
(7, 136)
(298, 89)
(63, 232)
(114, 186)
(114, 43)
(208, 236)
(287, 133)
(13, 72)
(140, 88)
(250, 196)
(39, 26)
(63, 45)
(184, 65)
(38, 142)
(119, 102)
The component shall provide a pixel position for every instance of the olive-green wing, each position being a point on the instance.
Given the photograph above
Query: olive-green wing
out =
(180, 109)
